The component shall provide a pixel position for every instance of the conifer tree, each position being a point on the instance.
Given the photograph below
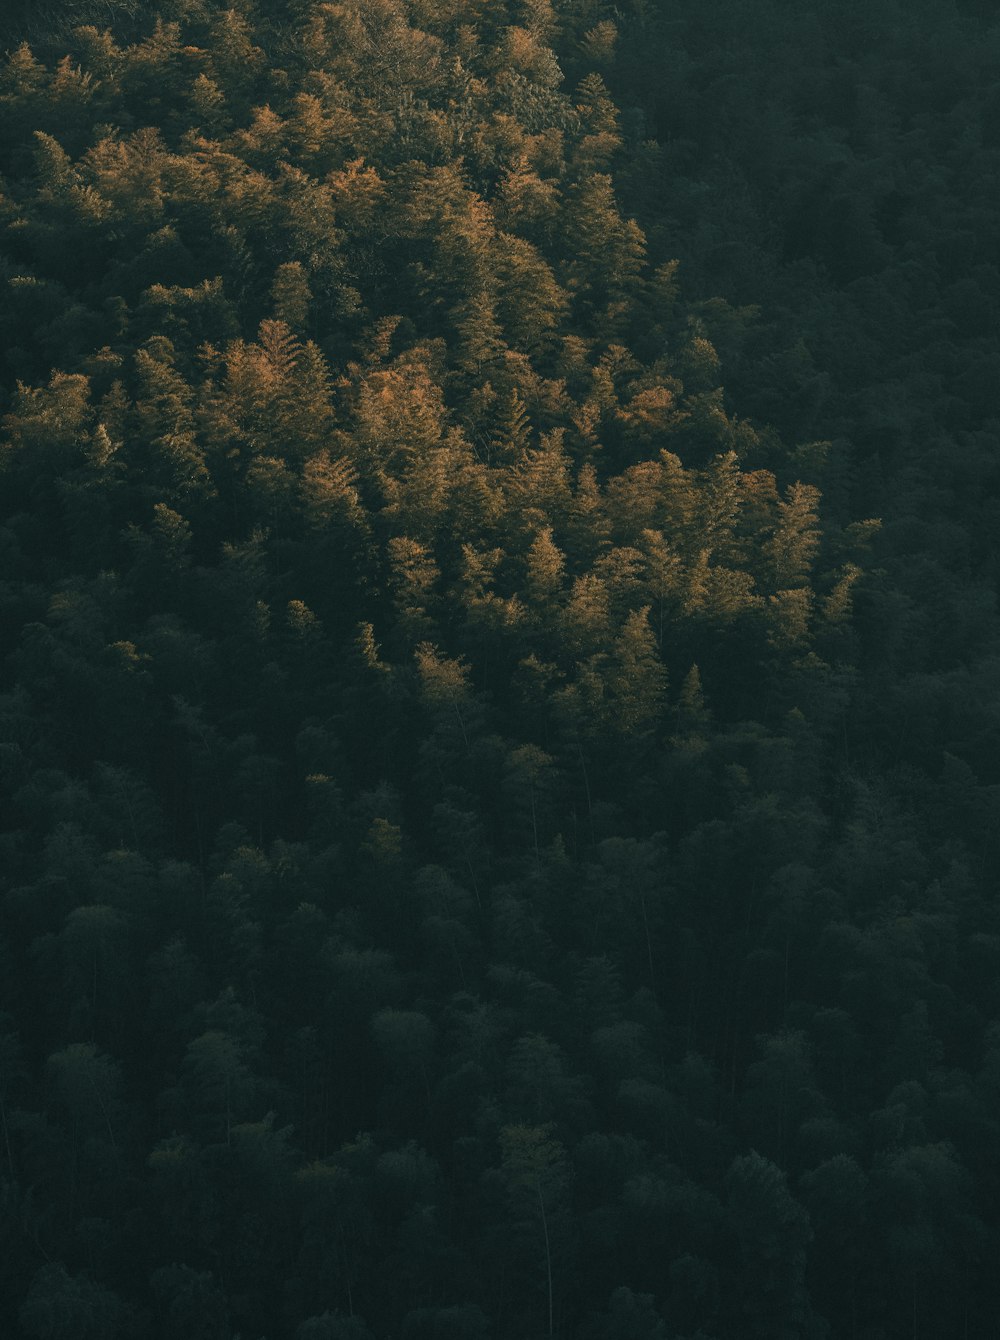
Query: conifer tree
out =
(637, 680)
(535, 1176)
(412, 577)
(796, 536)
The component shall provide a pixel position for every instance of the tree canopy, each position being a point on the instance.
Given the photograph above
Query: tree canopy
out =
(498, 670)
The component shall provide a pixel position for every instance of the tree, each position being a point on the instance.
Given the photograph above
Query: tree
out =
(333, 1326)
(165, 423)
(935, 1237)
(406, 1040)
(781, 1095)
(629, 1316)
(60, 1306)
(88, 1082)
(637, 680)
(773, 1231)
(444, 688)
(530, 304)
(528, 782)
(235, 59)
(48, 426)
(94, 943)
(796, 537)
(277, 393)
(412, 578)
(540, 482)
(217, 1083)
(836, 1193)
(535, 1176)
(511, 429)
(461, 1322)
(399, 413)
(585, 621)
(608, 254)
(544, 577)
(291, 296)
(190, 1304)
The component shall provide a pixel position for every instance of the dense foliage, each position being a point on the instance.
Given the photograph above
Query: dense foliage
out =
(498, 831)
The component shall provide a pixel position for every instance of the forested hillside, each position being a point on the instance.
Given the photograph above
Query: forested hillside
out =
(499, 670)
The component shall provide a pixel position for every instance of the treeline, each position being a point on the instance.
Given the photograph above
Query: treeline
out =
(498, 830)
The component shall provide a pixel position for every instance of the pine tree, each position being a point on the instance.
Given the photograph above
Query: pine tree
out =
(536, 1178)
(165, 420)
(320, 128)
(480, 342)
(291, 296)
(444, 688)
(587, 528)
(489, 616)
(584, 624)
(413, 575)
(597, 46)
(837, 606)
(718, 505)
(527, 204)
(788, 615)
(399, 413)
(608, 255)
(544, 575)
(539, 485)
(795, 541)
(511, 431)
(264, 143)
(664, 578)
(599, 119)
(636, 678)
(235, 59)
(208, 107)
(530, 303)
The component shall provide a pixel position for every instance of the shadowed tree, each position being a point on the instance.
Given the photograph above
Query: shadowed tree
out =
(60, 1306)
(772, 1231)
(535, 1177)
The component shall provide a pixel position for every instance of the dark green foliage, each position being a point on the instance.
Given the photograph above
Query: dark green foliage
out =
(498, 670)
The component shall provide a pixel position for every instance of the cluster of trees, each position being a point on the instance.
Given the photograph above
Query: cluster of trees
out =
(498, 831)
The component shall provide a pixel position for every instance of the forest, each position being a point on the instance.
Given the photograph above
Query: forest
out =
(499, 670)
